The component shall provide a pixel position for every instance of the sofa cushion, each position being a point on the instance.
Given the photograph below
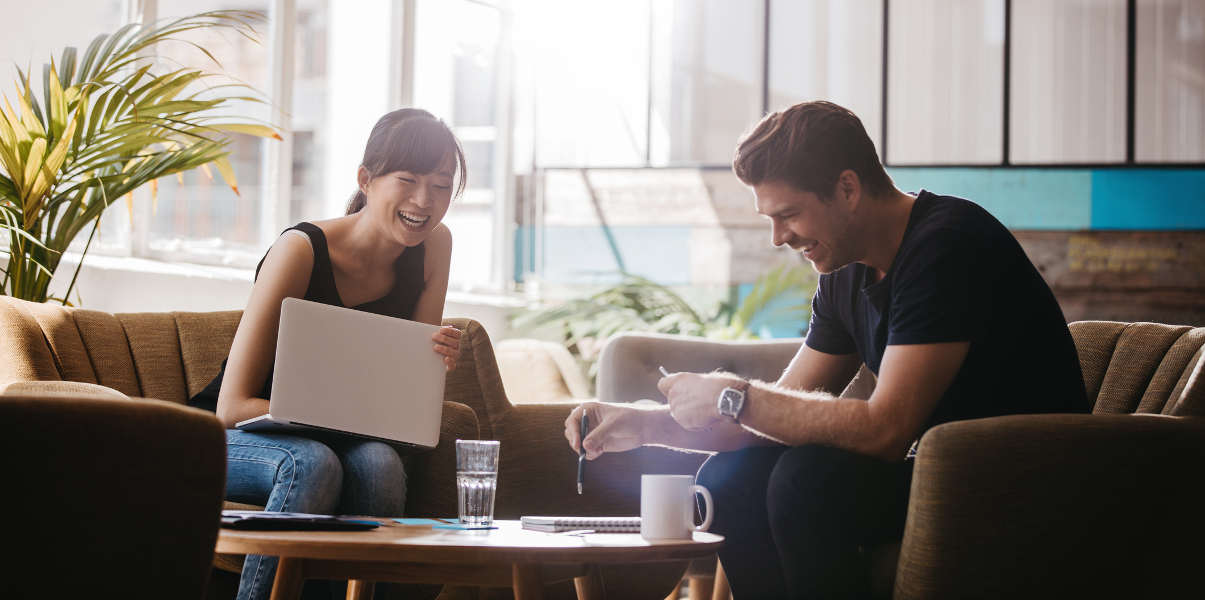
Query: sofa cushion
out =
(155, 347)
(108, 351)
(205, 340)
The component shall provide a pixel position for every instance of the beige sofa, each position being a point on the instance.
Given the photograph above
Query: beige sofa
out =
(64, 352)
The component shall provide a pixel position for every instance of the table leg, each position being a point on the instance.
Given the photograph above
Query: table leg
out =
(527, 582)
(289, 577)
(589, 586)
(358, 589)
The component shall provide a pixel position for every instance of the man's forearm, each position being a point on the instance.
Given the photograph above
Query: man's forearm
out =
(662, 430)
(796, 418)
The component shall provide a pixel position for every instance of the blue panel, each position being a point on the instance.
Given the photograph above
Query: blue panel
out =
(1159, 199)
(1021, 198)
(582, 254)
(775, 328)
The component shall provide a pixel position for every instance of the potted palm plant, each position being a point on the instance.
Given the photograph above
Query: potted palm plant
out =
(107, 123)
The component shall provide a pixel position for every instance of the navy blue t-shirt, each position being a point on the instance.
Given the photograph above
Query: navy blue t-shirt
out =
(959, 276)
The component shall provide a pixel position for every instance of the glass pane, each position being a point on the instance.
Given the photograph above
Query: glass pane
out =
(456, 78)
(1068, 92)
(707, 78)
(945, 81)
(197, 216)
(356, 82)
(37, 35)
(309, 119)
(824, 50)
(587, 63)
(1170, 95)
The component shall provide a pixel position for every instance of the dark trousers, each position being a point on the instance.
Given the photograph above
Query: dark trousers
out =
(800, 522)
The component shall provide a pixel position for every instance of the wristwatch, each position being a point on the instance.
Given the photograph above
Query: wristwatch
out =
(732, 400)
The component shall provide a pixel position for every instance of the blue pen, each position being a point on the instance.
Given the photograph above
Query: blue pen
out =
(581, 454)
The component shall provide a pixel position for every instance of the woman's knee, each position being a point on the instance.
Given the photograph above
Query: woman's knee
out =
(316, 466)
(374, 458)
(374, 481)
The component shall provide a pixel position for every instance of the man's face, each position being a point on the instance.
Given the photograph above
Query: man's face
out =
(819, 229)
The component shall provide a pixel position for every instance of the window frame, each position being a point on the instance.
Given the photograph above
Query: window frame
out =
(1130, 161)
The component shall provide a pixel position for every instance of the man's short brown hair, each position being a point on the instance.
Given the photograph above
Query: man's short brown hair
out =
(808, 146)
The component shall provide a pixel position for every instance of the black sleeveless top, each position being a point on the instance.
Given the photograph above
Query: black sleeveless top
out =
(399, 302)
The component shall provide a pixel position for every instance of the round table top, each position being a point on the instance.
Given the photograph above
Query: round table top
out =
(509, 543)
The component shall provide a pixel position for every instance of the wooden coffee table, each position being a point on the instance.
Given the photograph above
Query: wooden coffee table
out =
(508, 556)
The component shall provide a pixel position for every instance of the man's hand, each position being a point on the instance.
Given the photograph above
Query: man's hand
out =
(612, 428)
(692, 398)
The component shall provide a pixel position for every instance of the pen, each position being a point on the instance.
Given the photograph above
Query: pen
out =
(581, 454)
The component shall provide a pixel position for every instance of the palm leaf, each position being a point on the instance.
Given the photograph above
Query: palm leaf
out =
(107, 123)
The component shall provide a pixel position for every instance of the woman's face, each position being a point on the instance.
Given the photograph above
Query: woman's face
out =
(406, 205)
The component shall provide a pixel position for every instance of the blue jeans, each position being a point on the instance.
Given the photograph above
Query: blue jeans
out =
(297, 474)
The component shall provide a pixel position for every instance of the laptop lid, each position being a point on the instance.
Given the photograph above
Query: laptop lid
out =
(358, 372)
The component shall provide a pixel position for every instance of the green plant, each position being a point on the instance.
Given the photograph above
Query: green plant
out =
(780, 296)
(106, 124)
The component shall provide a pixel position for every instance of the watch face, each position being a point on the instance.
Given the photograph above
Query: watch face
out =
(728, 400)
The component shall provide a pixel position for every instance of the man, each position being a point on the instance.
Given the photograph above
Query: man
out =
(931, 292)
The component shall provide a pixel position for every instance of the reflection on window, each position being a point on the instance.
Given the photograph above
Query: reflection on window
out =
(202, 218)
(1170, 87)
(309, 118)
(588, 66)
(1068, 86)
(825, 50)
(456, 78)
(945, 81)
(707, 65)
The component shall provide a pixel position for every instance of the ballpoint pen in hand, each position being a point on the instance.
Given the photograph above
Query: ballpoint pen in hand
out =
(581, 453)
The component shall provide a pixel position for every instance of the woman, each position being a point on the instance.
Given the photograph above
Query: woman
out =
(388, 255)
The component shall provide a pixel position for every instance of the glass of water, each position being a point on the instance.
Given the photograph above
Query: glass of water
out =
(476, 480)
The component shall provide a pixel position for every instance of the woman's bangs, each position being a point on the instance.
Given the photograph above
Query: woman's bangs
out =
(420, 148)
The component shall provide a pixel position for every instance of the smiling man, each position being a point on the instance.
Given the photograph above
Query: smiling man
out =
(930, 292)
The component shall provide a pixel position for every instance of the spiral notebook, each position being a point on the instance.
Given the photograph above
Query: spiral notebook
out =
(598, 524)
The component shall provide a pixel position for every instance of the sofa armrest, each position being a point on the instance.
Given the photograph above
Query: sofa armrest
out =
(1055, 505)
(627, 365)
(538, 470)
(59, 388)
(431, 474)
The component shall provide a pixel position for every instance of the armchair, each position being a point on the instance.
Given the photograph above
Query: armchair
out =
(1024, 505)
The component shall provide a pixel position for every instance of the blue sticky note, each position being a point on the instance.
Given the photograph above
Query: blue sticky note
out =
(463, 526)
(418, 521)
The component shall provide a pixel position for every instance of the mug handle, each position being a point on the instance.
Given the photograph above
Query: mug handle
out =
(710, 507)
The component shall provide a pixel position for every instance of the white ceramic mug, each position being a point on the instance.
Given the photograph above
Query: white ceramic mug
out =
(667, 507)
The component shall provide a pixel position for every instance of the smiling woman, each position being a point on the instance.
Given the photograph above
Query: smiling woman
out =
(389, 255)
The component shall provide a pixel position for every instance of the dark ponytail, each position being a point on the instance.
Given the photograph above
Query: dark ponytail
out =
(409, 139)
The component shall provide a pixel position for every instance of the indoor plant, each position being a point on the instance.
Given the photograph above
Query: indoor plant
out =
(106, 124)
(779, 297)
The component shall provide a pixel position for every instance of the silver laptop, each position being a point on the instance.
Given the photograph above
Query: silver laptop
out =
(354, 372)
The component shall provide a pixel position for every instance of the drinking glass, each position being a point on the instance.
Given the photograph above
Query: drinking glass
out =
(476, 480)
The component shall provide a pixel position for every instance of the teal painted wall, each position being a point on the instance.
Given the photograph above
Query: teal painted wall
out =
(1072, 199)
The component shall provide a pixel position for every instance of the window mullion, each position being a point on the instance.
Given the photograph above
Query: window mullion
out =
(277, 157)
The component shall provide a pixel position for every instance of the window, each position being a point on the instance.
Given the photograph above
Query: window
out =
(707, 78)
(587, 64)
(456, 76)
(945, 81)
(197, 216)
(1068, 74)
(1170, 87)
(825, 49)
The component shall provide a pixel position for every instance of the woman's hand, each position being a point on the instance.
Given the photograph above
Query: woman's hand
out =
(447, 344)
